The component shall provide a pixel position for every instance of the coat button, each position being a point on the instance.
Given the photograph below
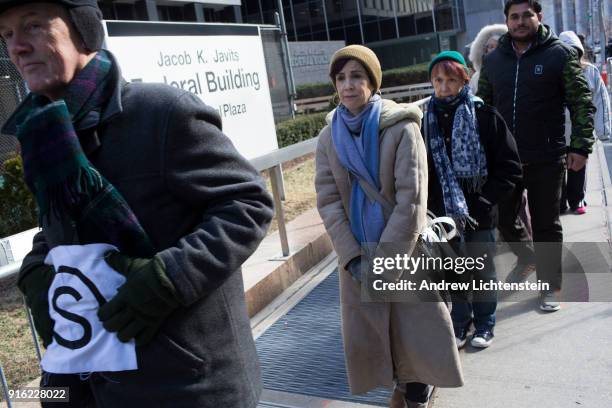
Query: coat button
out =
(446, 115)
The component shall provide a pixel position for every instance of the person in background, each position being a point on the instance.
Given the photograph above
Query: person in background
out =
(485, 42)
(379, 142)
(589, 55)
(145, 169)
(530, 78)
(473, 165)
(574, 186)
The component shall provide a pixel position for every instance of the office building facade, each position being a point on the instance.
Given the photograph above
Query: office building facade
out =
(402, 32)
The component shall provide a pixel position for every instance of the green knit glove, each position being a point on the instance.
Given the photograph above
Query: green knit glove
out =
(142, 303)
(35, 286)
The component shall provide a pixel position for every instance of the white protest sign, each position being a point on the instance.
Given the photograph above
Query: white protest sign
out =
(83, 283)
(222, 64)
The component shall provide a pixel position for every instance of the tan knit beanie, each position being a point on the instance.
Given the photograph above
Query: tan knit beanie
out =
(366, 57)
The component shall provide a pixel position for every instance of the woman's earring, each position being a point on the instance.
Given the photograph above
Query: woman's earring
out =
(336, 99)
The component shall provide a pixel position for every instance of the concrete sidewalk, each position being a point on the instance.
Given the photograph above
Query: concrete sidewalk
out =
(548, 360)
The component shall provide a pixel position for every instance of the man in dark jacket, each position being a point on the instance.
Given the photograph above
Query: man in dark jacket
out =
(145, 168)
(530, 78)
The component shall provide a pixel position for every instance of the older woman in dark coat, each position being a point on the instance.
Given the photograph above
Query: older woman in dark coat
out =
(473, 164)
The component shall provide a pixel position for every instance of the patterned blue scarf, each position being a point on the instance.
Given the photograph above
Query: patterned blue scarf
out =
(357, 146)
(469, 162)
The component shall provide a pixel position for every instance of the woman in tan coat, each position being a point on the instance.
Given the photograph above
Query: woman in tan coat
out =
(379, 142)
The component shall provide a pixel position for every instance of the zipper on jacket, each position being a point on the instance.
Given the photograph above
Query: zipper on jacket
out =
(518, 63)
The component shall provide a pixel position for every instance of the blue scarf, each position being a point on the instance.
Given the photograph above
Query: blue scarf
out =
(469, 164)
(357, 146)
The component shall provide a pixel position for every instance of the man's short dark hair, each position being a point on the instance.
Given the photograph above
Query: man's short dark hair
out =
(534, 4)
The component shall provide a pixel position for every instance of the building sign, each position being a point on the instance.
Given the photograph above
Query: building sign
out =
(310, 60)
(222, 64)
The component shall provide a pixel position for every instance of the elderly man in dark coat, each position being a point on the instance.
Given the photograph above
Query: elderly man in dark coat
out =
(144, 168)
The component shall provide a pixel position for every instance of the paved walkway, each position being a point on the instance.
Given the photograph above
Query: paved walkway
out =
(549, 360)
(537, 359)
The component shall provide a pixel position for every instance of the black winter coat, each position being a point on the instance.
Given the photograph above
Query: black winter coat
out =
(503, 166)
(205, 209)
(532, 92)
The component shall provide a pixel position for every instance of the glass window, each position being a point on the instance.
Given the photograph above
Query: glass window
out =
(268, 5)
(124, 11)
(176, 13)
(291, 30)
(337, 5)
(305, 36)
(319, 36)
(337, 34)
(317, 20)
(424, 24)
(302, 20)
(406, 25)
(387, 28)
(170, 13)
(353, 35)
(334, 15)
(369, 15)
(108, 12)
(371, 31)
(444, 19)
(209, 14)
(250, 12)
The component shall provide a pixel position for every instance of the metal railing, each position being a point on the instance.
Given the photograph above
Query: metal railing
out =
(271, 162)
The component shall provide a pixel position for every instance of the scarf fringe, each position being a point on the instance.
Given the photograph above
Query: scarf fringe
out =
(472, 185)
(464, 222)
(65, 197)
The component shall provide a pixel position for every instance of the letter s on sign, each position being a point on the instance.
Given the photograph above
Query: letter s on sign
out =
(80, 320)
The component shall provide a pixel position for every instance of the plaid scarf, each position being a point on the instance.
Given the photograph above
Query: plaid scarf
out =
(57, 171)
(469, 164)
